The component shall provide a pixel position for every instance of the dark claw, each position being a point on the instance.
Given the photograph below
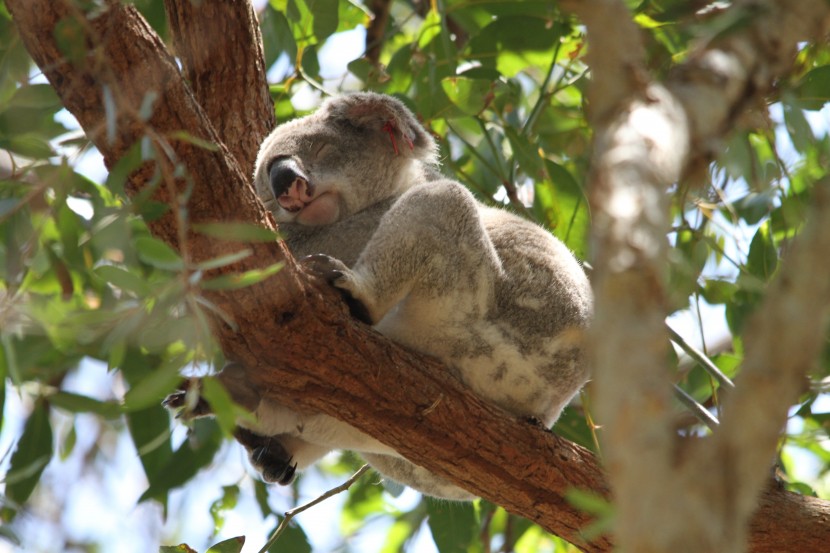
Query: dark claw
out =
(331, 270)
(268, 456)
(178, 401)
(324, 266)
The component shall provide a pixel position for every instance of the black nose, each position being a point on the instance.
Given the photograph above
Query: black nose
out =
(282, 173)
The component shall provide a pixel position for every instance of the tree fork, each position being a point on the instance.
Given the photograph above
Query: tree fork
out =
(327, 362)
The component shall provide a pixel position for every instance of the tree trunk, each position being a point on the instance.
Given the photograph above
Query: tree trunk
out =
(295, 338)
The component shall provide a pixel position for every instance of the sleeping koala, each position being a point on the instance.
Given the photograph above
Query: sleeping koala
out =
(355, 187)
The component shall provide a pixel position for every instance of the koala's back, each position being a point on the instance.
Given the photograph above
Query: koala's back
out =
(529, 357)
(545, 290)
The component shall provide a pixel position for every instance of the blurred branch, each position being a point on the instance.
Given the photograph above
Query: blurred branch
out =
(289, 515)
(646, 136)
(376, 30)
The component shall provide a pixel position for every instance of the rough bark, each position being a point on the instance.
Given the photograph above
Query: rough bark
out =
(326, 361)
(195, 27)
(647, 135)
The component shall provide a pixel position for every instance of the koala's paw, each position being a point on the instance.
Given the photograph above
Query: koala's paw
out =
(178, 401)
(336, 273)
(268, 456)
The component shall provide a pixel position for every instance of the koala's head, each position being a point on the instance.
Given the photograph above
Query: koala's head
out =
(353, 152)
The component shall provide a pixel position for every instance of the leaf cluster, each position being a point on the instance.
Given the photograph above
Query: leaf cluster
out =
(502, 86)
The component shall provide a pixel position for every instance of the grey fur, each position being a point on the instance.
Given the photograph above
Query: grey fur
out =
(496, 298)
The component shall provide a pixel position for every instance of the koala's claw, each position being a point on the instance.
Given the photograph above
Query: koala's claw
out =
(268, 456)
(325, 267)
(335, 272)
(177, 401)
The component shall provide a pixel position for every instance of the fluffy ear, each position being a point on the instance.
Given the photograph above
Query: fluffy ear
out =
(387, 116)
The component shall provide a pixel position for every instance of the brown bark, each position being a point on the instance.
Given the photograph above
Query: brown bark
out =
(297, 341)
(647, 133)
(226, 76)
(377, 29)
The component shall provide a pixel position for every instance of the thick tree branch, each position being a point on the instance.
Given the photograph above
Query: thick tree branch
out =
(359, 377)
(297, 342)
(226, 76)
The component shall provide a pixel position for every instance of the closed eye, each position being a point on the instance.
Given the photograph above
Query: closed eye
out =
(321, 149)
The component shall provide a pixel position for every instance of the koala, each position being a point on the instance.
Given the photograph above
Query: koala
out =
(356, 191)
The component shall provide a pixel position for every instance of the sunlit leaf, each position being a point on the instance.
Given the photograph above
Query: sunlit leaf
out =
(218, 509)
(468, 94)
(763, 256)
(241, 280)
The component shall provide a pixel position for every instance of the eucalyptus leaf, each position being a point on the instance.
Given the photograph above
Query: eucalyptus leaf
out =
(31, 455)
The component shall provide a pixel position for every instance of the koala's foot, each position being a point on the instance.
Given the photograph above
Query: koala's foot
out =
(268, 456)
(178, 401)
(336, 273)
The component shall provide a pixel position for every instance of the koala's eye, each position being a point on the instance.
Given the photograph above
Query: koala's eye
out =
(321, 149)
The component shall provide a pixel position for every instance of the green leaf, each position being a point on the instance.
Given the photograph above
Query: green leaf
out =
(813, 91)
(277, 37)
(153, 387)
(77, 403)
(195, 453)
(181, 548)
(763, 255)
(224, 260)
(526, 153)
(123, 168)
(221, 404)
(469, 95)
(33, 452)
(310, 63)
(237, 232)
(158, 254)
(227, 502)
(593, 503)
(799, 129)
(71, 39)
(240, 280)
(37, 96)
(454, 526)
(123, 279)
(27, 145)
(325, 17)
(183, 136)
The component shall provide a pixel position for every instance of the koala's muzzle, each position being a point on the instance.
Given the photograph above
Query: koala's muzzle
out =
(290, 184)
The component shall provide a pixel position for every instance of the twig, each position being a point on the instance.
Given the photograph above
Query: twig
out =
(289, 515)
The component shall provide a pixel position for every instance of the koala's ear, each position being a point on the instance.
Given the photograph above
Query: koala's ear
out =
(387, 116)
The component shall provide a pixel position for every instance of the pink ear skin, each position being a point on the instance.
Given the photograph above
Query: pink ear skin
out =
(374, 111)
(389, 127)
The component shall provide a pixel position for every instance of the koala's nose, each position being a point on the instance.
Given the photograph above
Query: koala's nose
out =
(283, 172)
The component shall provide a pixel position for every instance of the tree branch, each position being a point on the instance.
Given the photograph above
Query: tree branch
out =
(645, 139)
(325, 361)
(214, 68)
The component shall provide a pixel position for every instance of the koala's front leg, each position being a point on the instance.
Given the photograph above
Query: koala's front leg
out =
(430, 250)
(336, 273)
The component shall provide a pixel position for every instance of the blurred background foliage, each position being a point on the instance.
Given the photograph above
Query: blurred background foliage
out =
(99, 319)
